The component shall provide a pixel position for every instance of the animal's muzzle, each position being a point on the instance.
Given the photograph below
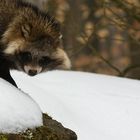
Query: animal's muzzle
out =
(32, 70)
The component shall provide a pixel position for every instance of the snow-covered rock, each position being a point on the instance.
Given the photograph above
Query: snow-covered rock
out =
(18, 111)
(96, 107)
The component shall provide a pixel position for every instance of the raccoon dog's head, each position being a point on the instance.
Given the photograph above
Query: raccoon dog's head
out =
(33, 43)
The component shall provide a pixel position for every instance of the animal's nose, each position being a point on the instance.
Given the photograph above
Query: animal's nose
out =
(32, 72)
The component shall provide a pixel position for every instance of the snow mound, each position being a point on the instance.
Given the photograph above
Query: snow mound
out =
(18, 111)
(96, 107)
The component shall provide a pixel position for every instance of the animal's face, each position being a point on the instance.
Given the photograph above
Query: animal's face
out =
(39, 56)
(35, 60)
(34, 52)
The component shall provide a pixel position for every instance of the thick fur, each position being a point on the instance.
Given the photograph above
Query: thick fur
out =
(30, 40)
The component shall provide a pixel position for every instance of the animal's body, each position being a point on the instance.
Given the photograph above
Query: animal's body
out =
(30, 40)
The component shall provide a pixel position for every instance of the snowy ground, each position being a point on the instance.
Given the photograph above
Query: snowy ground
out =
(18, 111)
(96, 107)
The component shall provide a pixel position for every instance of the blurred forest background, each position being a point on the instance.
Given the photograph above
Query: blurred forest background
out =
(100, 36)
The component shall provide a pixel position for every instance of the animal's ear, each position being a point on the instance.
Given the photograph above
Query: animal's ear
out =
(26, 30)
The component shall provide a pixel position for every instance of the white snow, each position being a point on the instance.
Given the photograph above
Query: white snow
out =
(18, 111)
(96, 107)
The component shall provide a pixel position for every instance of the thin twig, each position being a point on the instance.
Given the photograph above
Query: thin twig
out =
(128, 69)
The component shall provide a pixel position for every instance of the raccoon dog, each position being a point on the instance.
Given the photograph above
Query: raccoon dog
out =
(30, 40)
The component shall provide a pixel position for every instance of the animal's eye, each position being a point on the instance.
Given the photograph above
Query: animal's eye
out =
(49, 42)
(25, 56)
(45, 60)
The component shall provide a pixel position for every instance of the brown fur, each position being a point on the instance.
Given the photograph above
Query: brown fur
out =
(24, 31)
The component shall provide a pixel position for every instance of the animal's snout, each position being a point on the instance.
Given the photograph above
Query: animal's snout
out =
(32, 72)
